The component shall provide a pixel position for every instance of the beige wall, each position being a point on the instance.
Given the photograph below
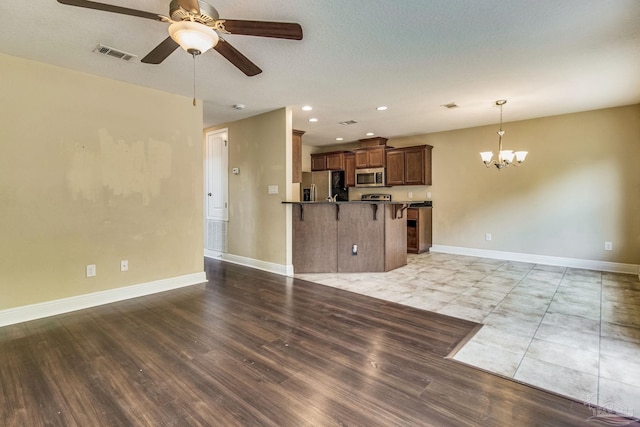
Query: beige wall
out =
(257, 226)
(93, 171)
(579, 187)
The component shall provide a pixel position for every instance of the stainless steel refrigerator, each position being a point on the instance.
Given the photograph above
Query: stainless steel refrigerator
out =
(322, 185)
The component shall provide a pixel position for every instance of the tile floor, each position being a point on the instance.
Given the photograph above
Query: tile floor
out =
(575, 332)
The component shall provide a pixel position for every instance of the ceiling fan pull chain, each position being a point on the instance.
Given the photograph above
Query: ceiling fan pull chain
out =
(194, 78)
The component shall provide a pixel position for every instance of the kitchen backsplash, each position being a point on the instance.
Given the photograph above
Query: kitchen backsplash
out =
(401, 194)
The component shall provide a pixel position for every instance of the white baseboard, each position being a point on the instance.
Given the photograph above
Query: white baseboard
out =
(586, 264)
(212, 254)
(284, 270)
(65, 305)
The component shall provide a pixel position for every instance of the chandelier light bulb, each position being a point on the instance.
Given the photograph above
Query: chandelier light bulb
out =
(520, 156)
(486, 156)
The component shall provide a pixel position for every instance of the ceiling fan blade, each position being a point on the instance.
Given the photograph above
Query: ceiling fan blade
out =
(234, 56)
(161, 52)
(278, 30)
(111, 8)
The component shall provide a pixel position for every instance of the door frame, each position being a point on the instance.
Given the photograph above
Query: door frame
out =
(221, 172)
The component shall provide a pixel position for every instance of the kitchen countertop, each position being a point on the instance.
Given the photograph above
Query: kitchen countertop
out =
(410, 203)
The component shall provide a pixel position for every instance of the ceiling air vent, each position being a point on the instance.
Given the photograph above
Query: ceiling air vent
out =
(109, 51)
(348, 122)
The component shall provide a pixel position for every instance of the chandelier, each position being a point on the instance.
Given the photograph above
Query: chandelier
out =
(505, 157)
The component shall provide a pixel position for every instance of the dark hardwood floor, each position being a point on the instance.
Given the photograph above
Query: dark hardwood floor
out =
(257, 349)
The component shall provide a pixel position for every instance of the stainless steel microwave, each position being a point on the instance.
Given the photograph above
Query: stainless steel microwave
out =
(373, 177)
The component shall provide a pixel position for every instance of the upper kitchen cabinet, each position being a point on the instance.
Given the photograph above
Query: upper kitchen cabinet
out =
(334, 160)
(296, 156)
(409, 166)
(349, 170)
(372, 153)
(395, 167)
(318, 162)
(372, 157)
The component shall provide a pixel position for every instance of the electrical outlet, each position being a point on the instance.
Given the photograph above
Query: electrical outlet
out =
(91, 270)
(124, 265)
(487, 236)
(410, 195)
(354, 249)
(608, 246)
(428, 194)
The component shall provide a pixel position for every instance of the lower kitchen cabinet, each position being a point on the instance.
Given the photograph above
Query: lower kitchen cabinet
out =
(419, 236)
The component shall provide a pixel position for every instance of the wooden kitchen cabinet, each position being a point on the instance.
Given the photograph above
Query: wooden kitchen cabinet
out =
(409, 166)
(370, 157)
(395, 167)
(335, 161)
(419, 234)
(350, 170)
(417, 165)
(330, 161)
(318, 162)
(296, 156)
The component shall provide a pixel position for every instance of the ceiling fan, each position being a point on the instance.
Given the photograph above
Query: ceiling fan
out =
(196, 25)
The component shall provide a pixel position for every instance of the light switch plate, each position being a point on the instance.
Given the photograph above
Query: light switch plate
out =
(91, 270)
(273, 189)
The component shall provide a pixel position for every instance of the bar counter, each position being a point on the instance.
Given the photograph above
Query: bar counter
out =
(349, 237)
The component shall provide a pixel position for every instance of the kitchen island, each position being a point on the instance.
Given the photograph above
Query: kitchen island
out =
(349, 237)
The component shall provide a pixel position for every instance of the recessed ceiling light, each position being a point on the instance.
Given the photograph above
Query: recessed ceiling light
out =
(382, 108)
(313, 120)
(307, 108)
(370, 133)
(339, 139)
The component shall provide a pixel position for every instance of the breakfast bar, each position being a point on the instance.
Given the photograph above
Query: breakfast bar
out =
(349, 237)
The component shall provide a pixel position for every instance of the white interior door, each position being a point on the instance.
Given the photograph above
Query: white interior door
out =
(216, 190)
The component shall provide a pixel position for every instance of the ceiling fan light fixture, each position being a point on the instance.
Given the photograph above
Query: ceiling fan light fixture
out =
(193, 37)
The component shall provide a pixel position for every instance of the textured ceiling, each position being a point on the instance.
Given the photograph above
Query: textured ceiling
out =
(546, 57)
